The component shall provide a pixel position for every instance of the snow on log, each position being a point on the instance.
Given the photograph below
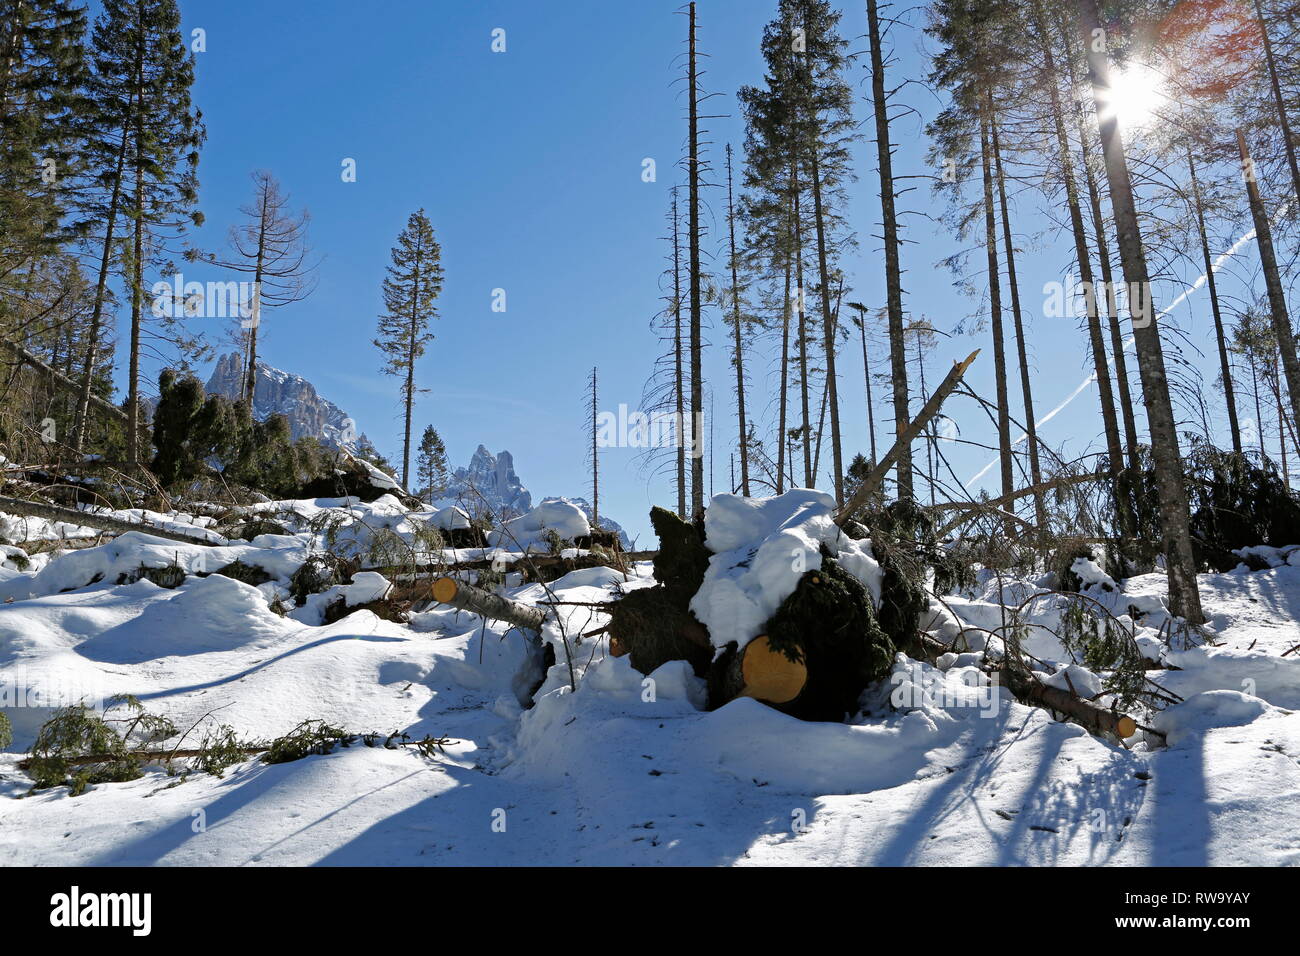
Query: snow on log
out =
(34, 509)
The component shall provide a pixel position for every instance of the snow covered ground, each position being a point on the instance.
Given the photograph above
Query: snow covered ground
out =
(623, 771)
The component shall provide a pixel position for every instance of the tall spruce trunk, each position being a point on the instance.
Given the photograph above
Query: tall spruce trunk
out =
(1272, 279)
(81, 418)
(828, 329)
(1220, 336)
(679, 384)
(1276, 87)
(893, 273)
(250, 383)
(995, 313)
(1184, 598)
(1123, 391)
(739, 356)
(866, 377)
(802, 332)
(1022, 352)
(697, 345)
(408, 388)
(1101, 369)
(785, 383)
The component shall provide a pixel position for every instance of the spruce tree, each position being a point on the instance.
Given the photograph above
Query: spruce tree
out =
(411, 290)
(431, 465)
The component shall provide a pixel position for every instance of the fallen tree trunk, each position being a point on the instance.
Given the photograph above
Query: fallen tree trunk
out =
(1094, 718)
(1032, 692)
(61, 380)
(873, 480)
(34, 509)
(521, 563)
(466, 597)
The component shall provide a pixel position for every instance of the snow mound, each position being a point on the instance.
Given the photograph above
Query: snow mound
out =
(528, 532)
(762, 546)
(1190, 720)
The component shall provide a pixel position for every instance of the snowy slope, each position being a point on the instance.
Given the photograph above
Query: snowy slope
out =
(626, 771)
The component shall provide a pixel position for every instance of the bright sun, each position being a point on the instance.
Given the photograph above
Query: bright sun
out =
(1134, 97)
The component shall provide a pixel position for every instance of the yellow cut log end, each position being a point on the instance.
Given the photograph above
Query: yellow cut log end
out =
(769, 675)
(1126, 727)
(444, 589)
(616, 648)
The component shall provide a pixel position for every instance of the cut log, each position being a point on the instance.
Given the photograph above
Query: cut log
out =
(768, 675)
(873, 480)
(466, 597)
(35, 509)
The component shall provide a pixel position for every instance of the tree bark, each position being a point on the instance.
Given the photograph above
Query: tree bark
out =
(995, 309)
(1184, 598)
(697, 346)
(893, 274)
(466, 597)
(1272, 280)
(1220, 337)
(1022, 353)
(828, 327)
(34, 509)
(739, 345)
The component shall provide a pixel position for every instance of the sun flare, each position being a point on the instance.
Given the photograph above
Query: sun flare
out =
(1136, 93)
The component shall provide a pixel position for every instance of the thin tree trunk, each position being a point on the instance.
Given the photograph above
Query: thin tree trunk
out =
(82, 416)
(1225, 368)
(1123, 390)
(1031, 429)
(1283, 120)
(409, 387)
(1272, 280)
(697, 346)
(828, 327)
(1184, 598)
(866, 374)
(995, 313)
(1106, 397)
(678, 382)
(739, 347)
(893, 274)
(781, 439)
(806, 435)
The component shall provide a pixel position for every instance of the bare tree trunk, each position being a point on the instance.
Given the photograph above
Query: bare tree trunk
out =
(785, 383)
(995, 312)
(697, 346)
(866, 374)
(678, 382)
(1283, 120)
(1106, 397)
(1272, 280)
(137, 316)
(82, 417)
(1022, 353)
(739, 358)
(1184, 598)
(828, 328)
(1225, 368)
(806, 436)
(893, 274)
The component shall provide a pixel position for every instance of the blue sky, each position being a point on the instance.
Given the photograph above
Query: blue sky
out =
(528, 163)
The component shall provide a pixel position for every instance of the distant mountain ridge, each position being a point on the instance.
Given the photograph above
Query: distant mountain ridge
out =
(276, 392)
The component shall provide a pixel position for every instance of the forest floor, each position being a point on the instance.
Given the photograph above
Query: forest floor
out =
(959, 773)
